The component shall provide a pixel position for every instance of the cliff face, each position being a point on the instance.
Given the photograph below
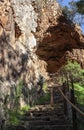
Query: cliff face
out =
(18, 44)
(18, 61)
(30, 29)
(58, 37)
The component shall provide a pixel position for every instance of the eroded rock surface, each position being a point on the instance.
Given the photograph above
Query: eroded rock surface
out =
(34, 34)
(57, 35)
(18, 61)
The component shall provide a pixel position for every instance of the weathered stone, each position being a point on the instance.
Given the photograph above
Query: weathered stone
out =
(56, 35)
(18, 61)
(35, 36)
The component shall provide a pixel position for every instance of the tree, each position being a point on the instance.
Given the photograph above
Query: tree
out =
(73, 71)
(80, 7)
(75, 11)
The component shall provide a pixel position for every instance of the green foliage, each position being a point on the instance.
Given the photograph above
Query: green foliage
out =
(18, 94)
(73, 71)
(18, 91)
(13, 117)
(79, 93)
(32, 94)
(45, 87)
(80, 6)
(43, 99)
(11, 104)
(70, 12)
(75, 11)
(25, 108)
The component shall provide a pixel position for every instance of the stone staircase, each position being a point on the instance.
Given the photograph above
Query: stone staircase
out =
(47, 117)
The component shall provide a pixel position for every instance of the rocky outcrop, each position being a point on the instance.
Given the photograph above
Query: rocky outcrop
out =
(18, 61)
(34, 35)
(57, 35)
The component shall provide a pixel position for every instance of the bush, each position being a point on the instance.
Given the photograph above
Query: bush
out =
(79, 93)
(73, 71)
(45, 87)
(43, 99)
(25, 108)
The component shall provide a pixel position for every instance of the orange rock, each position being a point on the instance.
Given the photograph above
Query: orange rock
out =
(4, 20)
(1, 30)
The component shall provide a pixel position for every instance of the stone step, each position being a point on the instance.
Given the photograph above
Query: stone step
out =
(55, 101)
(47, 110)
(45, 118)
(60, 112)
(51, 127)
(47, 107)
(13, 127)
(43, 122)
(54, 110)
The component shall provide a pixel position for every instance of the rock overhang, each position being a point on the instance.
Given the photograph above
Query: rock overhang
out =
(56, 35)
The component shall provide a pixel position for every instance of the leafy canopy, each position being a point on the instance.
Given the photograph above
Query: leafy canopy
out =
(73, 71)
(75, 11)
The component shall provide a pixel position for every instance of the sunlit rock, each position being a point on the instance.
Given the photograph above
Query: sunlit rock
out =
(35, 38)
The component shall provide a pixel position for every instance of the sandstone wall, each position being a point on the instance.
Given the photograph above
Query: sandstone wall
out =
(35, 37)
(18, 61)
(56, 35)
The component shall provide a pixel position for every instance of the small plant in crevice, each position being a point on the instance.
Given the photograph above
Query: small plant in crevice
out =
(44, 96)
(45, 87)
(25, 108)
(14, 118)
(11, 104)
(18, 95)
(30, 95)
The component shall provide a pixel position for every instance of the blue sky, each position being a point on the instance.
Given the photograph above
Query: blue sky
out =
(65, 2)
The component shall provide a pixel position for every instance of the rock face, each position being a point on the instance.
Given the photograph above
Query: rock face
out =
(56, 36)
(18, 61)
(34, 35)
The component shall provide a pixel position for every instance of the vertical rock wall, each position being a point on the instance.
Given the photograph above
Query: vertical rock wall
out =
(18, 61)
(23, 24)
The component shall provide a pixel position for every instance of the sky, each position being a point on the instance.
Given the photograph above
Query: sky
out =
(65, 2)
